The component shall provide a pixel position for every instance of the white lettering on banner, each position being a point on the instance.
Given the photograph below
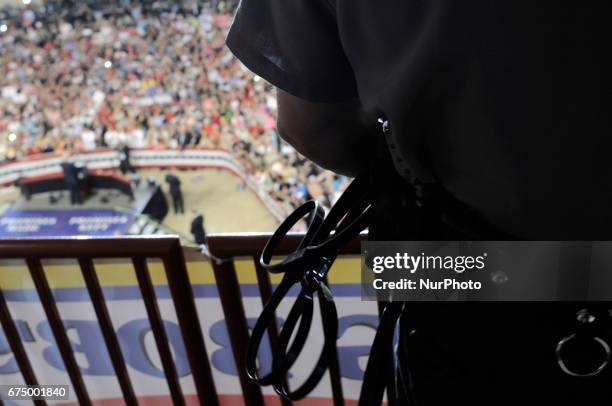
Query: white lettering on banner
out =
(97, 223)
(26, 224)
(46, 221)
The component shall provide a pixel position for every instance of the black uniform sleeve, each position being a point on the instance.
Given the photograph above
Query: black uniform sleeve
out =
(295, 45)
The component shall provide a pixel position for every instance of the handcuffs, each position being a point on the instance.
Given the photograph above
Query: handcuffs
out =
(308, 265)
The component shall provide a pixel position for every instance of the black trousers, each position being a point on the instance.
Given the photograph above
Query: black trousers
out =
(493, 354)
(177, 202)
(125, 166)
(75, 194)
(484, 353)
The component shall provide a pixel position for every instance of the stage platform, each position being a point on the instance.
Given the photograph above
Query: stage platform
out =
(104, 212)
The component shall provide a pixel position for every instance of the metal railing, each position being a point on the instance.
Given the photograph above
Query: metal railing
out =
(250, 245)
(139, 249)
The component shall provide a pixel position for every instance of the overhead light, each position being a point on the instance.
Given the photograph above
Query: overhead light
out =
(3, 28)
(26, 2)
(108, 64)
(12, 137)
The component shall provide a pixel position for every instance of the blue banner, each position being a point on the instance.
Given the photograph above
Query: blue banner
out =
(45, 223)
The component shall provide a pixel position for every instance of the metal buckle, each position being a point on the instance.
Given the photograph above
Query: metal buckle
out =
(564, 341)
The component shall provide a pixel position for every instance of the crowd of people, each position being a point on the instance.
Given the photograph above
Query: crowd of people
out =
(147, 75)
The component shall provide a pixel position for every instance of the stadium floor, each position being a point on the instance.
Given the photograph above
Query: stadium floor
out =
(215, 193)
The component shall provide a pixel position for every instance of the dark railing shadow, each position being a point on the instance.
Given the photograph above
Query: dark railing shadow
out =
(138, 250)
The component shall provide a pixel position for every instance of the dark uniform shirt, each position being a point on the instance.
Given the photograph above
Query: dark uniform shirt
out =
(71, 174)
(174, 184)
(197, 229)
(504, 103)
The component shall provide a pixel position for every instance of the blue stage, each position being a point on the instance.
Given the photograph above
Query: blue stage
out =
(45, 209)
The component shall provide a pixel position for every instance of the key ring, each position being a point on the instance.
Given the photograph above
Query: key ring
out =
(307, 265)
(564, 341)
